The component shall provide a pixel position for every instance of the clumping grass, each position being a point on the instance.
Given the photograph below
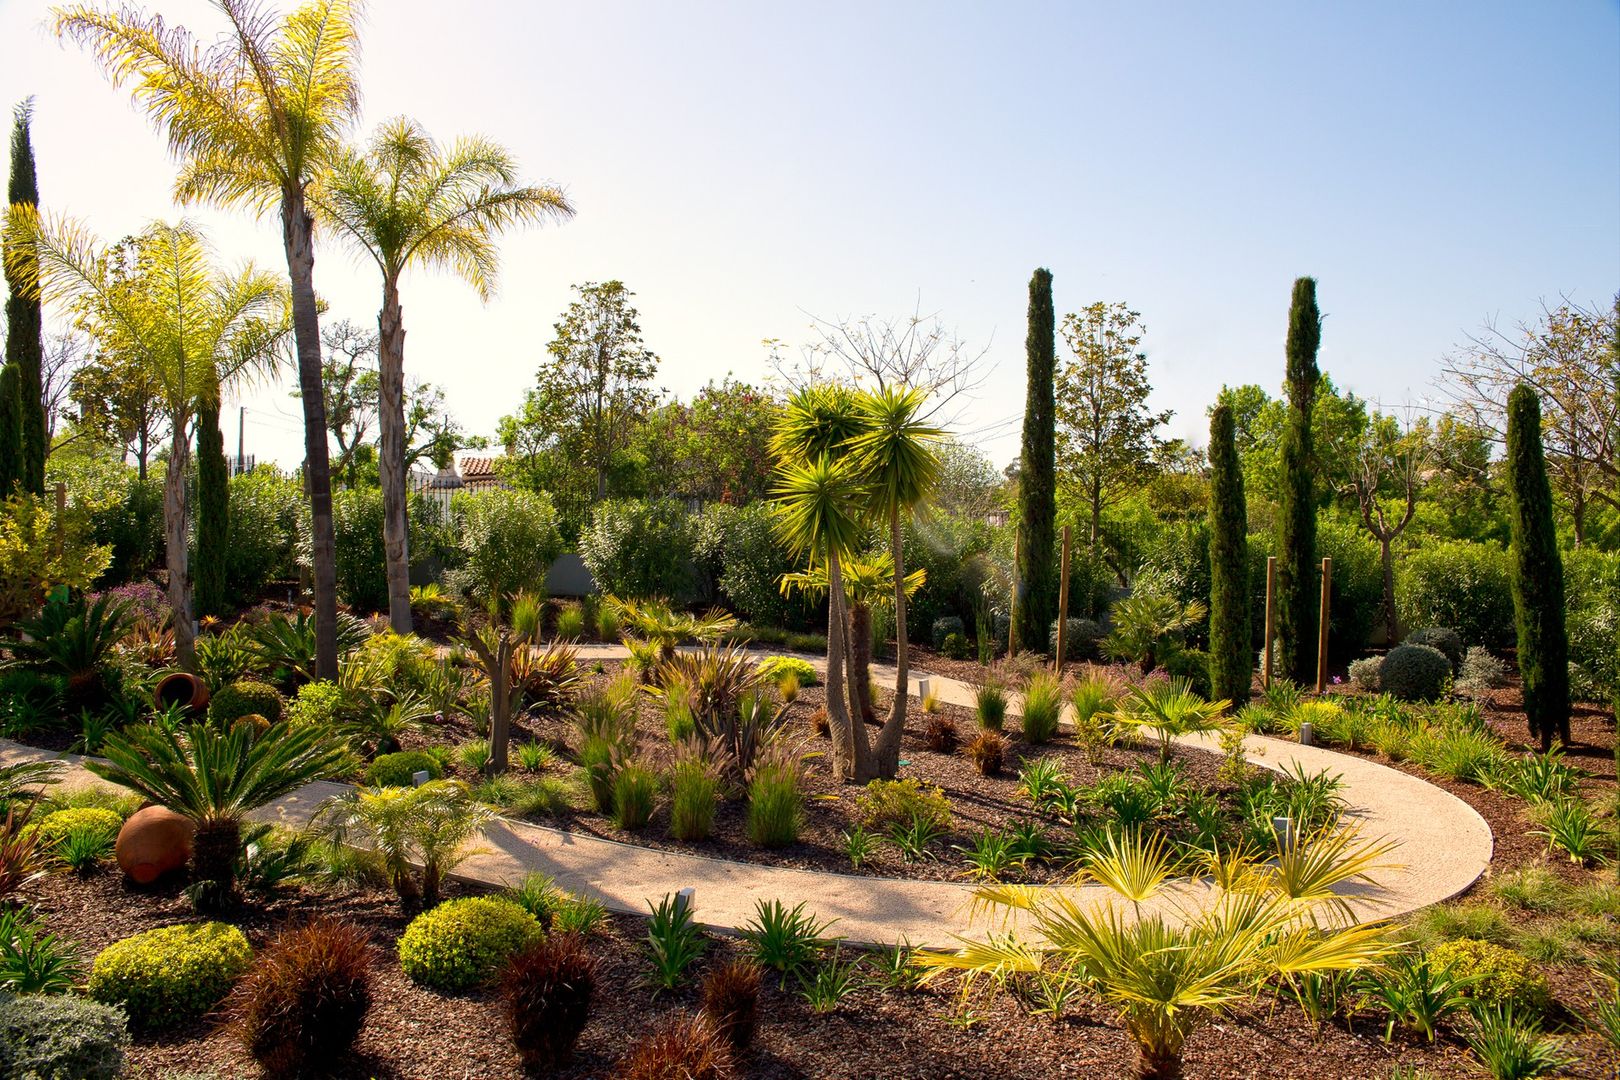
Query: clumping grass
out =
(693, 788)
(1600, 898)
(1534, 889)
(541, 796)
(990, 705)
(774, 810)
(1043, 707)
(571, 623)
(474, 754)
(535, 756)
(1447, 922)
(635, 788)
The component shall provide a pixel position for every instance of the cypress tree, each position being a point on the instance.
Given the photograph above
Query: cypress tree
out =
(1037, 489)
(213, 509)
(1538, 574)
(25, 341)
(1231, 660)
(1296, 511)
(11, 466)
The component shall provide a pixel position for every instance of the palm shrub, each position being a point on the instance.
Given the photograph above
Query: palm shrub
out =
(215, 777)
(425, 826)
(74, 639)
(32, 959)
(1167, 972)
(1169, 710)
(1230, 663)
(1538, 574)
(1148, 627)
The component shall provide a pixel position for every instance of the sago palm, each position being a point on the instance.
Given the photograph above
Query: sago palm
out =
(253, 118)
(158, 302)
(215, 777)
(408, 202)
(896, 449)
(1166, 972)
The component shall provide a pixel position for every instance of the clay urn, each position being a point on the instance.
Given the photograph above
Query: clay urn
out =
(153, 842)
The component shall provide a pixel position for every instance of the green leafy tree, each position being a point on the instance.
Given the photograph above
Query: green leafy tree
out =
(120, 401)
(1106, 442)
(213, 510)
(1037, 487)
(1297, 599)
(1231, 665)
(1387, 468)
(717, 447)
(1538, 575)
(349, 382)
(405, 201)
(254, 117)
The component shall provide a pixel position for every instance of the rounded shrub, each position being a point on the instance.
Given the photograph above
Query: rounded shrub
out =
(772, 668)
(1443, 638)
(955, 647)
(243, 698)
(640, 548)
(322, 703)
(304, 1001)
(1502, 976)
(171, 974)
(60, 1037)
(399, 770)
(1079, 642)
(52, 828)
(547, 990)
(944, 627)
(1414, 672)
(465, 943)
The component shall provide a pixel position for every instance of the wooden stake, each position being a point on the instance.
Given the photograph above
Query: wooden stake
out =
(1271, 616)
(1322, 628)
(1012, 607)
(1063, 606)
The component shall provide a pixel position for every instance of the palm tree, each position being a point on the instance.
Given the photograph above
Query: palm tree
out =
(215, 777)
(1169, 710)
(159, 303)
(896, 451)
(426, 826)
(254, 118)
(403, 202)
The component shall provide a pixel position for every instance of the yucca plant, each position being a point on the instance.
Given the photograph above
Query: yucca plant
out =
(1572, 828)
(426, 826)
(215, 777)
(1170, 710)
(1165, 971)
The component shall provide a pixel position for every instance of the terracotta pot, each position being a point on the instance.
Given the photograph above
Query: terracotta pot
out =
(153, 842)
(183, 689)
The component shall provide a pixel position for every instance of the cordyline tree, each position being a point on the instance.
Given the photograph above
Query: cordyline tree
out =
(1297, 599)
(1538, 574)
(254, 118)
(408, 202)
(160, 303)
(1037, 485)
(1231, 663)
(23, 410)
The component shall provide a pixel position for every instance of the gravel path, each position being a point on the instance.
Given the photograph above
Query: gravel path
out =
(1443, 846)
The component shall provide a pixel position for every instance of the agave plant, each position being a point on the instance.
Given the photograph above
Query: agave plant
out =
(1170, 709)
(1166, 970)
(215, 777)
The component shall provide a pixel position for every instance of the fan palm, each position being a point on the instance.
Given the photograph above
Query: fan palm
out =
(1170, 709)
(215, 777)
(896, 450)
(405, 201)
(254, 118)
(158, 302)
(1165, 971)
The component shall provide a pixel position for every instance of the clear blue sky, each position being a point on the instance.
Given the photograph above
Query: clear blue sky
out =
(741, 165)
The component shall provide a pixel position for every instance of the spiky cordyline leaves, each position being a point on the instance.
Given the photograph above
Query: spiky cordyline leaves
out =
(251, 116)
(819, 507)
(817, 422)
(407, 200)
(210, 775)
(895, 448)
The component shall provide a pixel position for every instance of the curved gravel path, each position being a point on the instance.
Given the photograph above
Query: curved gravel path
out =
(1443, 846)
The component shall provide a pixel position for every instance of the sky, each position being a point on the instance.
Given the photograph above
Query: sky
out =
(746, 167)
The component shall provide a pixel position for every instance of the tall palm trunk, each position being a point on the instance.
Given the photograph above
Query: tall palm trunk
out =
(214, 850)
(888, 743)
(391, 465)
(860, 656)
(838, 723)
(297, 231)
(176, 548)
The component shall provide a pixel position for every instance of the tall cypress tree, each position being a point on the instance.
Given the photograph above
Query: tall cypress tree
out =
(1297, 601)
(213, 510)
(1231, 660)
(11, 464)
(1037, 487)
(1538, 574)
(25, 341)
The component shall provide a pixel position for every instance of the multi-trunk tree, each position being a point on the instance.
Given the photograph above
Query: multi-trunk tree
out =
(1537, 574)
(1035, 577)
(1231, 658)
(1297, 588)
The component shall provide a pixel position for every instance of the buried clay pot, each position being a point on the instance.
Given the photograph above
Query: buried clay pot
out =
(183, 689)
(154, 842)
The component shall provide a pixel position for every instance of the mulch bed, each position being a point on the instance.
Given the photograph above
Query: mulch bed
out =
(417, 1033)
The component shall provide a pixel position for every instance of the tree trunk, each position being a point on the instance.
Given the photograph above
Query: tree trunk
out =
(297, 230)
(176, 550)
(888, 744)
(391, 455)
(213, 859)
(500, 706)
(1386, 553)
(1158, 1066)
(860, 654)
(838, 720)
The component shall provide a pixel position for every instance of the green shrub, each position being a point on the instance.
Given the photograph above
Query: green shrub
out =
(1364, 673)
(362, 567)
(1414, 672)
(1443, 638)
(56, 826)
(900, 802)
(1502, 977)
(398, 770)
(465, 943)
(944, 627)
(955, 647)
(638, 548)
(171, 974)
(772, 668)
(323, 703)
(266, 506)
(246, 697)
(740, 550)
(1457, 584)
(507, 542)
(58, 1037)
(1079, 642)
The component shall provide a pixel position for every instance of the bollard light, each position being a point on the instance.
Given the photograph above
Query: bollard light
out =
(924, 685)
(1284, 828)
(420, 777)
(1305, 734)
